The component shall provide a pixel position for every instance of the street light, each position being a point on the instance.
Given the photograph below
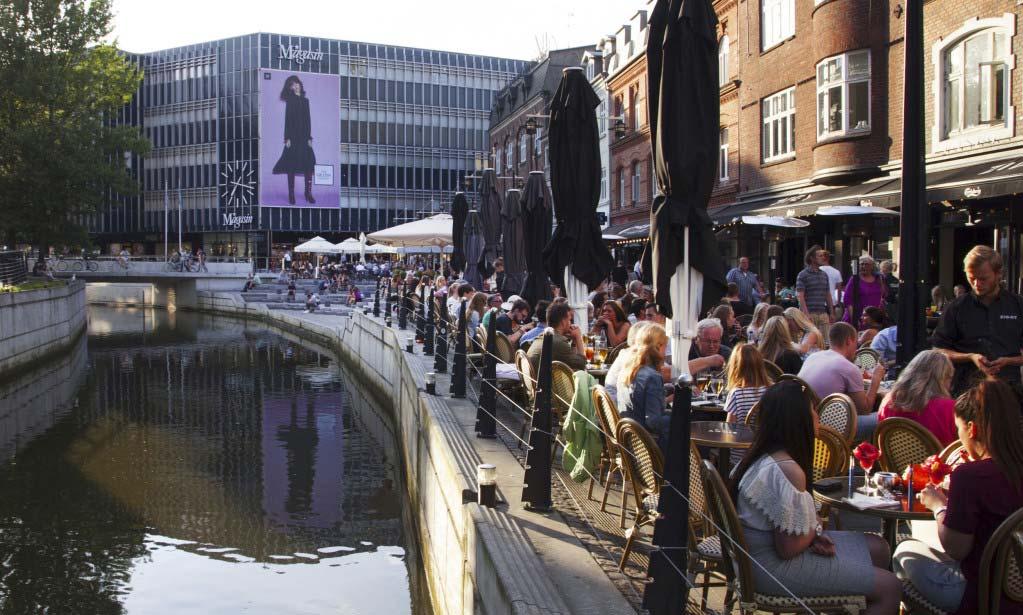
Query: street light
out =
(619, 128)
(531, 126)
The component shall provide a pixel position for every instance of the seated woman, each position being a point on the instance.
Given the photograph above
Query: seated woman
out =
(804, 333)
(747, 380)
(640, 385)
(772, 492)
(730, 327)
(613, 323)
(922, 394)
(756, 326)
(981, 494)
(872, 321)
(474, 313)
(776, 346)
(614, 371)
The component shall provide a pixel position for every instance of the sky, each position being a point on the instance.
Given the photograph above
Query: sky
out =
(516, 29)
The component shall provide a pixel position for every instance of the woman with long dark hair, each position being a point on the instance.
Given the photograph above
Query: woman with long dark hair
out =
(774, 498)
(298, 157)
(981, 495)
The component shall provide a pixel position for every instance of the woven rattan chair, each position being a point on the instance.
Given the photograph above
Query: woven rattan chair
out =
(839, 412)
(739, 570)
(904, 442)
(830, 454)
(753, 417)
(744, 321)
(773, 371)
(867, 358)
(815, 399)
(505, 349)
(611, 458)
(562, 392)
(644, 467)
(525, 369)
(614, 352)
(953, 454)
(505, 352)
(1000, 575)
(704, 544)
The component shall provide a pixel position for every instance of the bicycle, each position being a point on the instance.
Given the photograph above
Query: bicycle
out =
(85, 263)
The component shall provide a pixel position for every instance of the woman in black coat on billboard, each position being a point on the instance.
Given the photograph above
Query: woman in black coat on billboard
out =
(297, 157)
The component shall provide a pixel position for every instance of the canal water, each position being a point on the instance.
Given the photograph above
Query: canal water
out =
(181, 463)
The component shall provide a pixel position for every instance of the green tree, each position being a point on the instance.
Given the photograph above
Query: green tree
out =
(62, 156)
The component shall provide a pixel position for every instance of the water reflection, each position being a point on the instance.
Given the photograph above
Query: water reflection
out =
(207, 466)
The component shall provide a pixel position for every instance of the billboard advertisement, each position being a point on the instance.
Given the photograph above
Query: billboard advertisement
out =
(299, 143)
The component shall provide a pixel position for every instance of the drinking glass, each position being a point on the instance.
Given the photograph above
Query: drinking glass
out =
(601, 354)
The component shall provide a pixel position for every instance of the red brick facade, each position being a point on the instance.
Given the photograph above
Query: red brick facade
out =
(631, 161)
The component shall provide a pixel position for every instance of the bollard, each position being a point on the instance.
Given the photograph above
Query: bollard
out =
(431, 383)
(387, 321)
(486, 485)
(376, 300)
(410, 344)
(428, 342)
(536, 490)
(440, 358)
(459, 366)
(402, 306)
(665, 588)
(486, 424)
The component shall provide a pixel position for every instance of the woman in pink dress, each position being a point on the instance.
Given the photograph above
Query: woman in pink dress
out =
(862, 291)
(921, 394)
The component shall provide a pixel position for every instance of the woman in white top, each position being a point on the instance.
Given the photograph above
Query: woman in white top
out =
(810, 338)
(773, 494)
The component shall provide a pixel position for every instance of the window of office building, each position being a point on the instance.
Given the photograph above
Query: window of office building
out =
(723, 155)
(974, 93)
(778, 138)
(843, 94)
(777, 22)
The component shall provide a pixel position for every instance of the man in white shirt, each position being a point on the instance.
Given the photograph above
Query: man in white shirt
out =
(834, 284)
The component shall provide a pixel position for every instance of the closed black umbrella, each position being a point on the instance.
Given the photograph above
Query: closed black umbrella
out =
(513, 242)
(474, 248)
(575, 185)
(459, 212)
(490, 218)
(683, 105)
(537, 220)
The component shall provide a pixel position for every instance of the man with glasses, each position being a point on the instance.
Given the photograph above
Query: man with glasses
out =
(707, 351)
(813, 287)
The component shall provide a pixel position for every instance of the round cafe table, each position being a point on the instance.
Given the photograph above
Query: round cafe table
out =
(889, 516)
(722, 436)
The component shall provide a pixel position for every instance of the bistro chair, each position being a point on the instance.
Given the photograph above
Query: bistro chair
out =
(744, 321)
(644, 467)
(704, 543)
(525, 369)
(953, 454)
(839, 412)
(814, 399)
(1000, 575)
(739, 569)
(830, 453)
(614, 352)
(867, 359)
(773, 371)
(611, 457)
(904, 442)
(753, 417)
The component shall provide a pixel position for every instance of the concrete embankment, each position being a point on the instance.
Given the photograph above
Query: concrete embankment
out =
(478, 560)
(37, 324)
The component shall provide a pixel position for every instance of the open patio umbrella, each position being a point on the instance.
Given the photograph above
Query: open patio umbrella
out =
(536, 228)
(435, 230)
(317, 245)
(576, 256)
(459, 211)
(513, 243)
(490, 218)
(349, 246)
(683, 106)
(475, 244)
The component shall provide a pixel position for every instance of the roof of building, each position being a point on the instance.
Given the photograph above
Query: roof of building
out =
(538, 78)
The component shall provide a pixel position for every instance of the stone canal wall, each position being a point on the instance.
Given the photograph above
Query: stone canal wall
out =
(477, 559)
(37, 324)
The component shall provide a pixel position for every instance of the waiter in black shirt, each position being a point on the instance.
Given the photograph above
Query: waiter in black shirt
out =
(982, 331)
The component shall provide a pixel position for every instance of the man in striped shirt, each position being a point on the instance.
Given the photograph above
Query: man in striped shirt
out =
(814, 290)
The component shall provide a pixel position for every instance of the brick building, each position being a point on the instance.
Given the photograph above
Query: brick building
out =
(514, 152)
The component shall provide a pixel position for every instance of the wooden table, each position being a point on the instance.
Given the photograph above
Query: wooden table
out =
(723, 437)
(708, 410)
(890, 517)
(600, 373)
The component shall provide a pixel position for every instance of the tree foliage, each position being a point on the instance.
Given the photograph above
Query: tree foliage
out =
(61, 154)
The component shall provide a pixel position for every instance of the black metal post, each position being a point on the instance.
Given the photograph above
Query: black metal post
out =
(666, 589)
(440, 358)
(403, 306)
(376, 300)
(915, 227)
(421, 316)
(459, 366)
(536, 491)
(428, 342)
(388, 293)
(486, 412)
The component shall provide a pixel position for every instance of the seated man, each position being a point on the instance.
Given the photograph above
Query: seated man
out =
(568, 339)
(540, 318)
(885, 343)
(833, 371)
(707, 351)
(515, 322)
(311, 301)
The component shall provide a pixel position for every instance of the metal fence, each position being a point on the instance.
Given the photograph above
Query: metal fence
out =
(13, 268)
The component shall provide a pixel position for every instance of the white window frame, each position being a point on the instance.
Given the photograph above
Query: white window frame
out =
(941, 141)
(843, 82)
(635, 183)
(603, 184)
(497, 158)
(723, 155)
(523, 147)
(538, 141)
(509, 154)
(789, 117)
(621, 187)
(777, 22)
(723, 58)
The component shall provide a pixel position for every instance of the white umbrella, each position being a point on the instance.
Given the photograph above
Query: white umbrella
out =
(432, 231)
(855, 210)
(349, 246)
(318, 245)
(775, 221)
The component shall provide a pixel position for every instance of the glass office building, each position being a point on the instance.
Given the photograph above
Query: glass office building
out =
(409, 126)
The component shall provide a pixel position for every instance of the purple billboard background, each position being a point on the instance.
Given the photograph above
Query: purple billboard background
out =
(323, 94)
